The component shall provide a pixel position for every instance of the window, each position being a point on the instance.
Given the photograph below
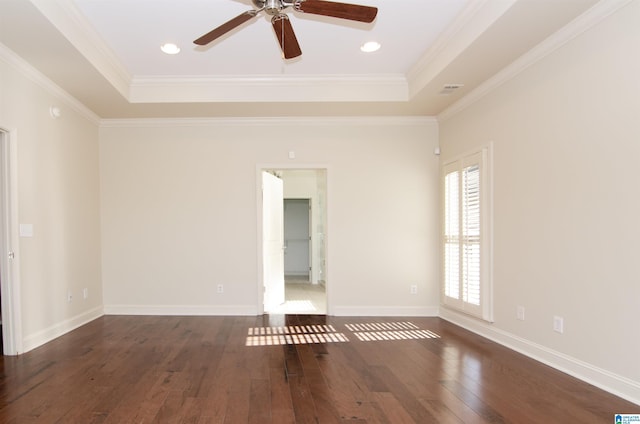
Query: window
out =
(467, 235)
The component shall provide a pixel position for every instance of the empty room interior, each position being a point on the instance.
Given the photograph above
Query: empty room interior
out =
(268, 224)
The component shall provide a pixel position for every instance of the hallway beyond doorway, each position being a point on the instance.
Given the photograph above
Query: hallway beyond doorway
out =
(302, 297)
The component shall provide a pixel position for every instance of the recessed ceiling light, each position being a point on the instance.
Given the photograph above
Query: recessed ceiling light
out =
(170, 48)
(370, 46)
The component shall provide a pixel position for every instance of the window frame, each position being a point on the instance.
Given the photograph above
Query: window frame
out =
(483, 158)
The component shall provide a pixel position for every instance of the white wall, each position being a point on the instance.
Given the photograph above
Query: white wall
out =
(179, 212)
(566, 134)
(58, 193)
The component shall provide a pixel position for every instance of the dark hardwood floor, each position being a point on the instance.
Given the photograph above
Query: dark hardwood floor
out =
(293, 369)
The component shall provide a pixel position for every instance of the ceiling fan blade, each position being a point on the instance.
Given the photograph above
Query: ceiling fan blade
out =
(226, 27)
(286, 37)
(352, 12)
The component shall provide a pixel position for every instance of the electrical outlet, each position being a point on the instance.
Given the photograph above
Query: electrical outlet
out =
(414, 289)
(558, 324)
(220, 288)
(85, 293)
(520, 313)
(69, 296)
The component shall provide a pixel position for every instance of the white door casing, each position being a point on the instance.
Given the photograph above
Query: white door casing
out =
(9, 260)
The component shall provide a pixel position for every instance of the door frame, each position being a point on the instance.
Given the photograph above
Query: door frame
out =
(9, 243)
(260, 254)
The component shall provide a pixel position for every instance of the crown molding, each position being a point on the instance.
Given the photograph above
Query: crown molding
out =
(474, 20)
(582, 23)
(269, 121)
(66, 17)
(331, 88)
(12, 59)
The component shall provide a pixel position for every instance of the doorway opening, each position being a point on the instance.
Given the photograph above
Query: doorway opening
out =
(297, 239)
(294, 241)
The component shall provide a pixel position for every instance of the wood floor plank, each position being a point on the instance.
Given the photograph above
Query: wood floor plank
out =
(154, 400)
(260, 402)
(393, 410)
(408, 400)
(173, 409)
(323, 397)
(477, 404)
(441, 412)
(239, 396)
(352, 396)
(281, 403)
(458, 408)
(214, 407)
(303, 407)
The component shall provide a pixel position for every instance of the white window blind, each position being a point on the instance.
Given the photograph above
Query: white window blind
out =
(466, 232)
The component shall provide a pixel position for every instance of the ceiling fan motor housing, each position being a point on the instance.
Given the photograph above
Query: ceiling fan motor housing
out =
(272, 7)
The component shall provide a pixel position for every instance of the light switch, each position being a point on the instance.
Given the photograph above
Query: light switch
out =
(26, 230)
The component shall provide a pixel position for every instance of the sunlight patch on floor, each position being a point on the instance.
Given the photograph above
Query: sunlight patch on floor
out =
(292, 329)
(293, 334)
(382, 326)
(370, 336)
(380, 331)
(289, 339)
(321, 333)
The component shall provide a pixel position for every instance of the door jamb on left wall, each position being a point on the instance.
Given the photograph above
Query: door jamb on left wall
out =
(9, 243)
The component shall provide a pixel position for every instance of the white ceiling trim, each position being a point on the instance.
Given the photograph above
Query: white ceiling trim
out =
(270, 121)
(65, 16)
(582, 23)
(352, 88)
(475, 19)
(25, 69)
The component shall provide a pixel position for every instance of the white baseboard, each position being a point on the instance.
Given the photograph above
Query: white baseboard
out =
(33, 341)
(186, 310)
(608, 381)
(250, 310)
(385, 311)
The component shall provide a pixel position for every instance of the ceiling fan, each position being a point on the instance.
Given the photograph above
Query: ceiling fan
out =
(281, 24)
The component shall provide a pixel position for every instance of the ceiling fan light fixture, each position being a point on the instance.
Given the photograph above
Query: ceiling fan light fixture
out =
(170, 48)
(370, 47)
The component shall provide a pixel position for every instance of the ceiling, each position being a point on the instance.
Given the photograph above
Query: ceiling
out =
(106, 54)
